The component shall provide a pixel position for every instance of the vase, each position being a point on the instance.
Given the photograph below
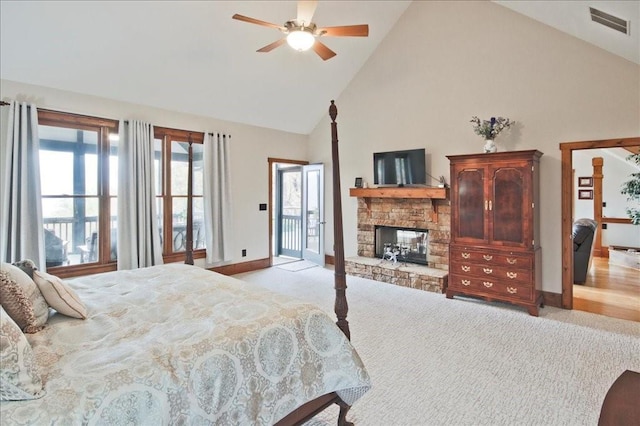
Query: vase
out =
(489, 146)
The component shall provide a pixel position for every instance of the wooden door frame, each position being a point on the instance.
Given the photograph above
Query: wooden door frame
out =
(567, 149)
(271, 161)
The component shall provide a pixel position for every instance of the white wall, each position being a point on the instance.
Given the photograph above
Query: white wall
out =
(250, 148)
(615, 170)
(444, 62)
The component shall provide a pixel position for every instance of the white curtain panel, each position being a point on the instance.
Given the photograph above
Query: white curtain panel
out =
(217, 197)
(138, 230)
(21, 225)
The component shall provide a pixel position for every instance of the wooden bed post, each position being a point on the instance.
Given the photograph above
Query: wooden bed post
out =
(311, 408)
(341, 306)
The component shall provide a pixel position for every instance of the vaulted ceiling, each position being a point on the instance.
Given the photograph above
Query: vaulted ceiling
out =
(190, 56)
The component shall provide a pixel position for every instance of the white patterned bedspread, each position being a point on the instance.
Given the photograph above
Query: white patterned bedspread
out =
(177, 344)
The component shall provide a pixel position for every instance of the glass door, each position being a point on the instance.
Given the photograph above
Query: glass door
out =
(288, 224)
(313, 213)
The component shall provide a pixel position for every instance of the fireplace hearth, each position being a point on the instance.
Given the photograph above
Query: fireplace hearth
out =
(406, 245)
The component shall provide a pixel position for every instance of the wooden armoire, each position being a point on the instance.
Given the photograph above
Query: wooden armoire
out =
(495, 248)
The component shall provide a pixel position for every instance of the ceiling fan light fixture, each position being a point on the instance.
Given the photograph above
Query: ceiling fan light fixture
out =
(301, 39)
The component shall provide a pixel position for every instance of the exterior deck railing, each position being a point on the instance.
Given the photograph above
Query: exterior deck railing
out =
(291, 235)
(62, 227)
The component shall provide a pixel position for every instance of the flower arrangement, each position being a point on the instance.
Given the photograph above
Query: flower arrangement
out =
(489, 129)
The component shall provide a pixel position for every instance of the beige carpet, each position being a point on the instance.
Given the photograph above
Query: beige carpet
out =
(435, 361)
(297, 265)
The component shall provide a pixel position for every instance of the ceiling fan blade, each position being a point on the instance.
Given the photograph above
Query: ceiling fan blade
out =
(270, 47)
(323, 51)
(257, 21)
(345, 31)
(306, 9)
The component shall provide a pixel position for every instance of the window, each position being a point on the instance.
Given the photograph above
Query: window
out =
(79, 180)
(78, 173)
(172, 169)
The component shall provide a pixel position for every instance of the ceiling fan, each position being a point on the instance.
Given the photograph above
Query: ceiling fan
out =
(302, 34)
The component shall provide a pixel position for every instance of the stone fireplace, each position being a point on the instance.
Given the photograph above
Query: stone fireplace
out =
(420, 228)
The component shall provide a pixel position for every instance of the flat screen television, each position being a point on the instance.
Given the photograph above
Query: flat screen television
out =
(400, 168)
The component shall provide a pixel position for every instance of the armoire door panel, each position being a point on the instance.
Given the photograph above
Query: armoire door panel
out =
(471, 204)
(508, 210)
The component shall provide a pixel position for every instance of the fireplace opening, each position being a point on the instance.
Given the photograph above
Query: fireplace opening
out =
(402, 244)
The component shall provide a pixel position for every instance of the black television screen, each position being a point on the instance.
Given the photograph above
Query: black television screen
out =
(400, 168)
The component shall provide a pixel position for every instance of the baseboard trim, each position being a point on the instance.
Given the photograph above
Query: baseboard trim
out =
(238, 268)
(552, 299)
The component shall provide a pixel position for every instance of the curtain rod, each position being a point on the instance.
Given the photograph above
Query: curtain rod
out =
(3, 103)
(210, 134)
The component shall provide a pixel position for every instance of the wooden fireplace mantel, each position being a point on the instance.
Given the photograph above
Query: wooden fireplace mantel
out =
(428, 193)
(401, 192)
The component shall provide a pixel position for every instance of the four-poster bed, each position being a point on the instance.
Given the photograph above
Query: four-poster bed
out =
(177, 343)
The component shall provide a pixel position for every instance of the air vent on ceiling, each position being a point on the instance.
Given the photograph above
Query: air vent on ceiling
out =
(609, 20)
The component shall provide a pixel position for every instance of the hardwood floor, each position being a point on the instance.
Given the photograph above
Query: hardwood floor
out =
(610, 290)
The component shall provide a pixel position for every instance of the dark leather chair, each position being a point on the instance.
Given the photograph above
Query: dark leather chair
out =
(55, 249)
(584, 232)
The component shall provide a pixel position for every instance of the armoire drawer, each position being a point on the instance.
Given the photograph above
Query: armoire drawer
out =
(491, 287)
(491, 258)
(505, 273)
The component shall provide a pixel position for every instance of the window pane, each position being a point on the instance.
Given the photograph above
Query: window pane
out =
(179, 167)
(160, 213)
(70, 239)
(58, 223)
(114, 229)
(179, 232)
(89, 221)
(113, 168)
(198, 169)
(91, 175)
(57, 134)
(56, 172)
(179, 224)
(68, 160)
(198, 223)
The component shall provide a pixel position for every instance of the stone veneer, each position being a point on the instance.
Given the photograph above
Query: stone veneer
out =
(403, 213)
(405, 275)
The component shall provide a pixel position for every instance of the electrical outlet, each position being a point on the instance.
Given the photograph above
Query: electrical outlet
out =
(262, 206)
(244, 252)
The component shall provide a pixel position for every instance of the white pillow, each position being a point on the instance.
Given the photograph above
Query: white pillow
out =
(21, 299)
(19, 376)
(59, 295)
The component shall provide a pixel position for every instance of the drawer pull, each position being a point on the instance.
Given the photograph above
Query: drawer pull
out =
(466, 268)
(487, 270)
(487, 257)
(512, 290)
(466, 282)
(466, 255)
(511, 261)
(487, 284)
(512, 275)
